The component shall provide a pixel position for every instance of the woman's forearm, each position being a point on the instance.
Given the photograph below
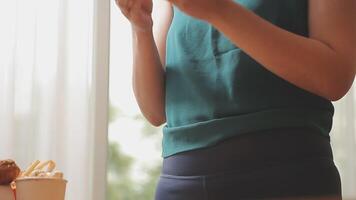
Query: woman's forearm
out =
(304, 62)
(148, 77)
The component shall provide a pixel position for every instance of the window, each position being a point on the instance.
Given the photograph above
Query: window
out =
(134, 145)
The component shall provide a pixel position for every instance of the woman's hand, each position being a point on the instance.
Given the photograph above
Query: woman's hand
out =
(201, 9)
(138, 12)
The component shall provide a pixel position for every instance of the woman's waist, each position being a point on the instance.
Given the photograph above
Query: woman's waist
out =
(252, 150)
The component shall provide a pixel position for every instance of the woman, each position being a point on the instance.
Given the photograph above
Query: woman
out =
(245, 87)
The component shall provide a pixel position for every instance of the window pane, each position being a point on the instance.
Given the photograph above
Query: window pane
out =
(134, 145)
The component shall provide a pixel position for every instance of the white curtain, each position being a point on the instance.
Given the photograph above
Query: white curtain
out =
(343, 140)
(46, 91)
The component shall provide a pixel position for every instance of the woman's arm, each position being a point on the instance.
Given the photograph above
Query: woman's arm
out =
(148, 75)
(323, 64)
(148, 68)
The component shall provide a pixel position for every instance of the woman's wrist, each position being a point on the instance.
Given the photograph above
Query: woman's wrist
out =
(145, 38)
(142, 33)
(145, 26)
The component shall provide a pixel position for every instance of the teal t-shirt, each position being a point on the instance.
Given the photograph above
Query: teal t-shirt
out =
(214, 90)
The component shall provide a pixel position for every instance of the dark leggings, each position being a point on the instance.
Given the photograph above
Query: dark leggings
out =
(275, 164)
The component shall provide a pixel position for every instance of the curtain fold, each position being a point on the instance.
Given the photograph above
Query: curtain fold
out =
(45, 86)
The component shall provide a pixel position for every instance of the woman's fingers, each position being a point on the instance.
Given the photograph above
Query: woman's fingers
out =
(125, 12)
(125, 6)
(121, 3)
(130, 3)
(122, 7)
(138, 12)
(126, 3)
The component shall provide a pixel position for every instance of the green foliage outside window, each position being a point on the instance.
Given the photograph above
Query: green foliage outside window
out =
(121, 186)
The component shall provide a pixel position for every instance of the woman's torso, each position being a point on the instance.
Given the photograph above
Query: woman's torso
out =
(214, 90)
